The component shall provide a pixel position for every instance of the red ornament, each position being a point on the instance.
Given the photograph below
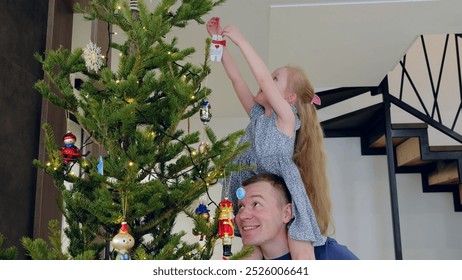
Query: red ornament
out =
(226, 225)
(69, 151)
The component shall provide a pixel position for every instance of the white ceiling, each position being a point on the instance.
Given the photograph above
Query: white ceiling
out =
(338, 43)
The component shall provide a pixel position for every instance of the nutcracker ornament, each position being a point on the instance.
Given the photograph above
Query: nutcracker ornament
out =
(69, 151)
(123, 242)
(226, 226)
(203, 212)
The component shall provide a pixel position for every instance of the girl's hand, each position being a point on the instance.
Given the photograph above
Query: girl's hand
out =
(213, 26)
(233, 33)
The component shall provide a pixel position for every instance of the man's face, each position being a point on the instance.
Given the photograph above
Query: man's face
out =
(262, 215)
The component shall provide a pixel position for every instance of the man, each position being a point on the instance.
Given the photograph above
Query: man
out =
(264, 212)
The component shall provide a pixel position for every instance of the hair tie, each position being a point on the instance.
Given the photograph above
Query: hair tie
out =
(316, 100)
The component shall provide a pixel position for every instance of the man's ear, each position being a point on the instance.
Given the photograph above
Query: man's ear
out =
(287, 213)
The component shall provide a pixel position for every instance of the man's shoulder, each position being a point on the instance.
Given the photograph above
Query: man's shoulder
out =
(284, 257)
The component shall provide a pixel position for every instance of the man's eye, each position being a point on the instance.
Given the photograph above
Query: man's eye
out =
(256, 204)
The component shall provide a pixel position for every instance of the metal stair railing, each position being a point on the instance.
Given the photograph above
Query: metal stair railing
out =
(432, 113)
(432, 117)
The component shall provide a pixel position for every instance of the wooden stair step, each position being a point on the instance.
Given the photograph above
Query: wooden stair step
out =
(446, 148)
(408, 153)
(445, 173)
(381, 141)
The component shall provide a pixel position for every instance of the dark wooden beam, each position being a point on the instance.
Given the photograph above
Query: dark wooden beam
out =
(70, 3)
(59, 33)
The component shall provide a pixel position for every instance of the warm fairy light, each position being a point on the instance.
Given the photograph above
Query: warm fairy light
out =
(103, 57)
(169, 52)
(117, 81)
(130, 100)
(193, 153)
(131, 163)
(193, 97)
(48, 163)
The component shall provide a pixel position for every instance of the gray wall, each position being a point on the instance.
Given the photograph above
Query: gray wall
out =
(22, 33)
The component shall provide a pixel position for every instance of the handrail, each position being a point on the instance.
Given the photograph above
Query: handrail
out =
(424, 113)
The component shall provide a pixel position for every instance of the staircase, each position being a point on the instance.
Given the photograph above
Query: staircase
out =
(440, 166)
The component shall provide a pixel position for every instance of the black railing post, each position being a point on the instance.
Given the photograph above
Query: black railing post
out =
(391, 171)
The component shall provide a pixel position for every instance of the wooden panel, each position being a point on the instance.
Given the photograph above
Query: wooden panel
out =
(59, 33)
(23, 33)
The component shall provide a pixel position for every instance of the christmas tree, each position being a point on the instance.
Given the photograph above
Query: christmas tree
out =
(150, 170)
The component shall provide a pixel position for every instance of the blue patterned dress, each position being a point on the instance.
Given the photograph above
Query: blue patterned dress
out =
(271, 151)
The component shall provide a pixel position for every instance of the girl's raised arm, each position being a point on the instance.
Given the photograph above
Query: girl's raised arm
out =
(286, 118)
(241, 88)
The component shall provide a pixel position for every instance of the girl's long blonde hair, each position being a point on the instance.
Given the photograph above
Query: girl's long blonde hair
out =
(309, 152)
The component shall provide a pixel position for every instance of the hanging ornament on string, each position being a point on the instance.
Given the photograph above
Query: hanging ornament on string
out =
(69, 151)
(226, 226)
(134, 5)
(203, 212)
(205, 116)
(218, 43)
(204, 146)
(123, 242)
(205, 112)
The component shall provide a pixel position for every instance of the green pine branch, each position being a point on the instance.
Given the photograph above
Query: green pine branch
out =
(6, 253)
(153, 171)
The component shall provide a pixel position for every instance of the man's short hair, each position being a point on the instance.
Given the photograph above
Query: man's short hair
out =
(276, 181)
